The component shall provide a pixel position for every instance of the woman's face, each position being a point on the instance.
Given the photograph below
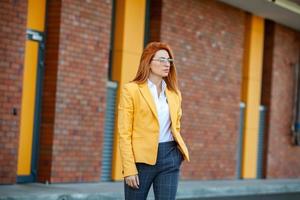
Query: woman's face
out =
(160, 65)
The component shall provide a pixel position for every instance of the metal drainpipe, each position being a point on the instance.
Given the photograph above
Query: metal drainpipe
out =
(240, 142)
(296, 124)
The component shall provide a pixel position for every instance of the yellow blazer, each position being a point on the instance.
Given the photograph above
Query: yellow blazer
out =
(138, 126)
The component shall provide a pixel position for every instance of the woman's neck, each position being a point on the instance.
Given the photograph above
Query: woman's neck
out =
(156, 80)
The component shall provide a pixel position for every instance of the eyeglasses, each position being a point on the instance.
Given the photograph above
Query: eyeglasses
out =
(163, 60)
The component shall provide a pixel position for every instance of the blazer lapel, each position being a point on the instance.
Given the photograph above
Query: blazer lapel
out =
(148, 97)
(172, 104)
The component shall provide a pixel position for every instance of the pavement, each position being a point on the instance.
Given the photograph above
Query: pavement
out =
(285, 189)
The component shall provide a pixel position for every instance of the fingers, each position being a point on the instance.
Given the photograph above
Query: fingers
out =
(132, 181)
(137, 180)
(127, 182)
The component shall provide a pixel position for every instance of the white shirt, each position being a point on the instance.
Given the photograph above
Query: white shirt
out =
(163, 112)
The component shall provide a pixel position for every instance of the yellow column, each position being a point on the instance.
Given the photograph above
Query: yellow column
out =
(128, 46)
(251, 92)
(35, 21)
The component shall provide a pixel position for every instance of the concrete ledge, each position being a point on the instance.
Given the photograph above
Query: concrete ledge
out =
(114, 190)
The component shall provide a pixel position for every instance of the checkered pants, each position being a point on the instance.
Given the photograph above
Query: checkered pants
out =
(164, 175)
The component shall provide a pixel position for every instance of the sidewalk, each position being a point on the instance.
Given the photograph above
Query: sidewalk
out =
(186, 190)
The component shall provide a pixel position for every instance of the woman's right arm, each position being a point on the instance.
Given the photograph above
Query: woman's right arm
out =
(125, 124)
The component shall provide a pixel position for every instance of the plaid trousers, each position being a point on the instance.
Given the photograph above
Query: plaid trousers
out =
(163, 175)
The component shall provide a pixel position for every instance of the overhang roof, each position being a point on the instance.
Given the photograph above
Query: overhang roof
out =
(286, 12)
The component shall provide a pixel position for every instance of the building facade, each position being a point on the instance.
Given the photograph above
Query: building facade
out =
(63, 63)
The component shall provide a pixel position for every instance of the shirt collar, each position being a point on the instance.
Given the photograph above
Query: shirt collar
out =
(163, 85)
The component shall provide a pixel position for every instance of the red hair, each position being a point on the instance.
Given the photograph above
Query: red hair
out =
(144, 66)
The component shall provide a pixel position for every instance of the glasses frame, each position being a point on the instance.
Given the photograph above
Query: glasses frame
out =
(164, 60)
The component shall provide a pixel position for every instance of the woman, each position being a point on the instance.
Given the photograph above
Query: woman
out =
(151, 146)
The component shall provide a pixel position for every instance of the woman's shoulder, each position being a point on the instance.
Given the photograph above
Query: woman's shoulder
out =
(179, 95)
(131, 87)
(176, 92)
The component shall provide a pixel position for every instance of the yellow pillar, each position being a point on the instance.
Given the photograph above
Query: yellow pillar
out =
(35, 21)
(251, 92)
(128, 46)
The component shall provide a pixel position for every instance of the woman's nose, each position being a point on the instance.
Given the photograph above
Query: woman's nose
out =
(167, 63)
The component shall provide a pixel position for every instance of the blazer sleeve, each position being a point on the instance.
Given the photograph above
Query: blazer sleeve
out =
(179, 114)
(125, 124)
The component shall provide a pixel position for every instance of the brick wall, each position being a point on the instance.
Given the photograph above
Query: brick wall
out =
(49, 91)
(12, 44)
(155, 20)
(207, 38)
(79, 71)
(283, 158)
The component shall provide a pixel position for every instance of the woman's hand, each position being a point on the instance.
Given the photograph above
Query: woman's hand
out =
(132, 181)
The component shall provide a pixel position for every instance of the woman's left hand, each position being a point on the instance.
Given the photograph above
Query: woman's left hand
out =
(132, 181)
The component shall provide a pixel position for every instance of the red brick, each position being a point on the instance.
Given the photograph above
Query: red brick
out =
(282, 156)
(207, 39)
(73, 85)
(12, 45)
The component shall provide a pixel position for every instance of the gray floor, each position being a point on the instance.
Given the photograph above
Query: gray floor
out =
(288, 196)
(287, 189)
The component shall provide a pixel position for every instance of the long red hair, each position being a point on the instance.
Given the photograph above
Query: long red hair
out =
(144, 66)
